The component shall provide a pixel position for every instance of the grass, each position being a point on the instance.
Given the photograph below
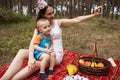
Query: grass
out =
(13, 38)
(78, 38)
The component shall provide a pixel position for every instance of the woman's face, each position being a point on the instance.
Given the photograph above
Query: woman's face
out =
(49, 13)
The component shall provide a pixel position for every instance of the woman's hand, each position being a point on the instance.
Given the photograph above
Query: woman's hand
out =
(97, 11)
(32, 64)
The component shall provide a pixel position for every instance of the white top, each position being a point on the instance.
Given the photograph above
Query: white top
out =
(56, 34)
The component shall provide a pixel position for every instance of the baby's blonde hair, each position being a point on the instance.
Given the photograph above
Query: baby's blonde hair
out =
(40, 21)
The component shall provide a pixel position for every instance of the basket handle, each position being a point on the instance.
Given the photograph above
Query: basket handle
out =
(95, 50)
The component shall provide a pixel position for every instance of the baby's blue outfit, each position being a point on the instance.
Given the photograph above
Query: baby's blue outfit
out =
(45, 43)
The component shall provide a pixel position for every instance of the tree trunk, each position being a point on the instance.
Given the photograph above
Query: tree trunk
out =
(30, 7)
(112, 15)
(70, 9)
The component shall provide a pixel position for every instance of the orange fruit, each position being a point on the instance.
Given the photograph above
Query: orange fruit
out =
(100, 64)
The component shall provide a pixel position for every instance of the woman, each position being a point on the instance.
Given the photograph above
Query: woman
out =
(14, 71)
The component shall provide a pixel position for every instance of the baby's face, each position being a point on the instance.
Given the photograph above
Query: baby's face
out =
(45, 28)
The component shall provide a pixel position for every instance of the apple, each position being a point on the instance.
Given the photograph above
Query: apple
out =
(87, 63)
(81, 61)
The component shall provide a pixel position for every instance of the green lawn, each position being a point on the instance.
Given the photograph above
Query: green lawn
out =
(78, 38)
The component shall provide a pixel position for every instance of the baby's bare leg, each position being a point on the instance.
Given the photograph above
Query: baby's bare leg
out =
(44, 62)
(16, 64)
(52, 60)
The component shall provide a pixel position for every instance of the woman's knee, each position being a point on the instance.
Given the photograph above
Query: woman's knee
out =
(23, 53)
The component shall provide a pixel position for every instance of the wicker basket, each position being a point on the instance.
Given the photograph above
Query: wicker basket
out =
(95, 71)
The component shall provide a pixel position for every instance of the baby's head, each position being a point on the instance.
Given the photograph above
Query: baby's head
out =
(43, 25)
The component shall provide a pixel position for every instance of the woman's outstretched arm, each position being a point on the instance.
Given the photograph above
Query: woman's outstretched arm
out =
(69, 22)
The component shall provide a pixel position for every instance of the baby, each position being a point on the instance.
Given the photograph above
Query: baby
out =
(43, 48)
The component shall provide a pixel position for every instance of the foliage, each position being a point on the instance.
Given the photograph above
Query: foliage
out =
(69, 8)
(8, 16)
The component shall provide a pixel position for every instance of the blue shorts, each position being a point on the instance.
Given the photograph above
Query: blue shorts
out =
(37, 54)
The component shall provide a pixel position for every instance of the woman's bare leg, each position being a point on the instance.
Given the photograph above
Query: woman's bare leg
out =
(24, 73)
(16, 64)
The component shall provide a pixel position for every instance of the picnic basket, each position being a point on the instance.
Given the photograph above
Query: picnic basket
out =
(95, 71)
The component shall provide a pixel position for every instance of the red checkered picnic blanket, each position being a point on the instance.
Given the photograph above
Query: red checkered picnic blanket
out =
(61, 71)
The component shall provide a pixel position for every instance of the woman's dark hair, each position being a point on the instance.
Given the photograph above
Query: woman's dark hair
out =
(42, 12)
